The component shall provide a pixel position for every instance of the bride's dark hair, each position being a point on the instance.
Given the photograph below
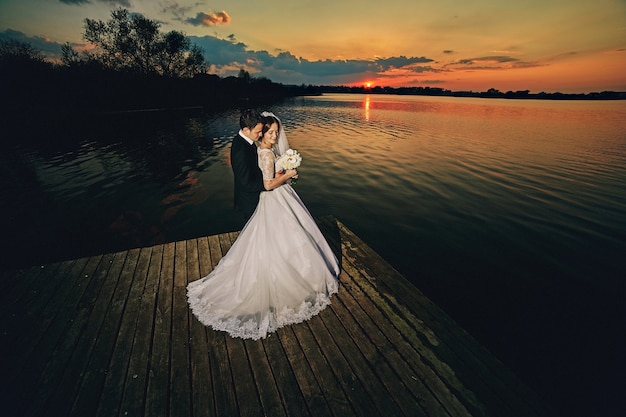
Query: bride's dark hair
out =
(268, 121)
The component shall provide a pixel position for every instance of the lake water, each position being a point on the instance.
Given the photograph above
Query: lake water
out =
(509, 214)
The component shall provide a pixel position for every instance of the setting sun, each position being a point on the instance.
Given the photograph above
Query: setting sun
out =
(368, 84)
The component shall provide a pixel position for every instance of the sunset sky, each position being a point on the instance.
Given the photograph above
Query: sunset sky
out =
(569, 46)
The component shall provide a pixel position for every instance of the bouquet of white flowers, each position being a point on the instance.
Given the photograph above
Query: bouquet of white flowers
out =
(291, 159)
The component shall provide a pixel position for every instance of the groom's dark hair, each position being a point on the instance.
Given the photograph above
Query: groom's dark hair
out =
(250, 118)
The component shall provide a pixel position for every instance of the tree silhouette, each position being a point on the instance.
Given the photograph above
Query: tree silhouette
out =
(134, 43)
(14, 51)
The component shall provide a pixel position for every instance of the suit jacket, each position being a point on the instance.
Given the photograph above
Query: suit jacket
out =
(248, 176)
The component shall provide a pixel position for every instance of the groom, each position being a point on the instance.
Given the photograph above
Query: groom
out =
(243, 157)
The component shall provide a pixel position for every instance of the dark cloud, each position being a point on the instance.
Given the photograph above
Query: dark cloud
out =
(212, 19)
(448, 51)
(492, 62)
(176, 10)
(49, 48)
(284, 61)
(419, 69)
(123, 3)
(331, 68)
(522, 64)
(495, 59)
(227, 56)
(221, 51)
(400, 61)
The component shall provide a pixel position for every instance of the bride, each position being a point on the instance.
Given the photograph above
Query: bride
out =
(279, 271)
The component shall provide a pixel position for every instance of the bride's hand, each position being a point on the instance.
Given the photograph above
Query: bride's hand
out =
(293, 173)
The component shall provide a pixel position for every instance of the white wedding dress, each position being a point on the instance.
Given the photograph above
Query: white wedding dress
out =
(279, 271)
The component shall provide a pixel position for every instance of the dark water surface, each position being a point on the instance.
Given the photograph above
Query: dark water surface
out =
(509, 214)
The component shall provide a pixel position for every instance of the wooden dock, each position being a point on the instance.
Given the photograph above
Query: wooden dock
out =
(112, 335)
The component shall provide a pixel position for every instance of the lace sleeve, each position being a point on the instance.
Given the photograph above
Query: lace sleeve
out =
(266, 163)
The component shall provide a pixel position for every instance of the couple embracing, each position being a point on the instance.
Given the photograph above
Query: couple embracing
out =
(280, 270)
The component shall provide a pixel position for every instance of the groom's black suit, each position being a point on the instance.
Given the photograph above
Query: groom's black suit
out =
(248, 176)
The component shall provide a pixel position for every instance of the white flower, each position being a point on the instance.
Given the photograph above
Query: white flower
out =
(291, 159)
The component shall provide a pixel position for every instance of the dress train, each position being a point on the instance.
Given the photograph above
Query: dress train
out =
(279, 271)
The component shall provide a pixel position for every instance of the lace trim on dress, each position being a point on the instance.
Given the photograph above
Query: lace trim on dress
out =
(254, 326)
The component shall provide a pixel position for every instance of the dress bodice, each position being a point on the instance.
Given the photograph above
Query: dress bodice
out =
(267, 163)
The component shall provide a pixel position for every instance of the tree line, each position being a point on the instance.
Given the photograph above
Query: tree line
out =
(132, 66)
(435, 91)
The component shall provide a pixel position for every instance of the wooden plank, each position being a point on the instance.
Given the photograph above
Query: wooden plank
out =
(293, 401)
(24, 283)
(69, 382)
(269, 395)
(157, 391)
(360, 400)
(117, 378)
(20, 321)
(201, 384)
(25, 348)
(216, 252)
(24, 326)
(90, 388)
(311, 391)
(180, 374)
(62, 336)
(226, 240)
(133, 398)
(103, 349)
(376, 360)
(330, 387)
(223, 384)
(15, 283)
(377, 391)
(248, 401)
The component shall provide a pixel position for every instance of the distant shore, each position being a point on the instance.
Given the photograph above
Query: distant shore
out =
(431, 91)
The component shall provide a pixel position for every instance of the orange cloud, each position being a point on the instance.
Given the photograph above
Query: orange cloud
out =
(212, 19)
